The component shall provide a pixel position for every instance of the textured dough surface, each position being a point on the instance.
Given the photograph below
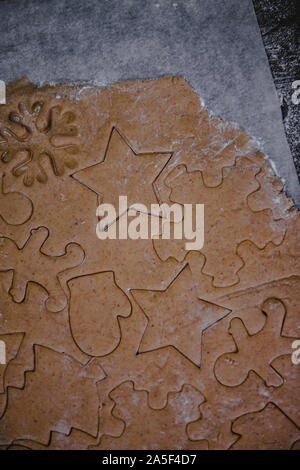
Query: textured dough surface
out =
(140, 344)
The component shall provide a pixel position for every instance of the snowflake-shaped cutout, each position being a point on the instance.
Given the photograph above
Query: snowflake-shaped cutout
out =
(35, 132)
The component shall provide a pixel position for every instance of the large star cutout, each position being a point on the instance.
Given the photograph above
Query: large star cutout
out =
(177, 317)
(123, 172)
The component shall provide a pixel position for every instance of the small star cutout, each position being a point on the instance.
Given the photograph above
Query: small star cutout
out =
(124, 173)
(177, 316)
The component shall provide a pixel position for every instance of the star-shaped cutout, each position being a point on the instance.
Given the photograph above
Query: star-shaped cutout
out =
(123, 172)
(177, 316)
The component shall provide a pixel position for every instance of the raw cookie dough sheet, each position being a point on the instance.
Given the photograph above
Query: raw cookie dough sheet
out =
(140, 344)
